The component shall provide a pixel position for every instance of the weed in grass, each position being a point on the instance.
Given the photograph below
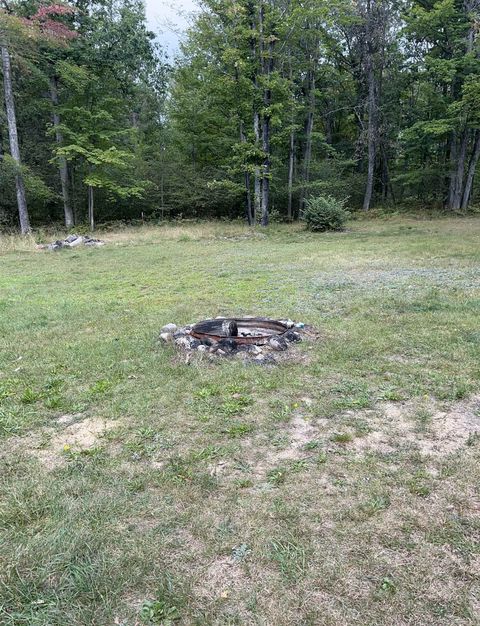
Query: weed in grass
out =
(420, 484)
(179, 469)
(29, 396)
(314, 444)
(208, 391)
(281, 412)
(290, 556)
(238, 429)
(100, 386)
(210, 452)
(361, 427)
(342, 438)
(391, 395)
(321, 458)
(243, 483)
(277, 476)
(234, 406)
(240, 553)
(387, 586)
(299, 465)
(423, 419)
(53, 401)
(374, 505)
(159, 612)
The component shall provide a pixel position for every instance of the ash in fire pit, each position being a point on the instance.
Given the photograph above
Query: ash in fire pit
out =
(251, 336)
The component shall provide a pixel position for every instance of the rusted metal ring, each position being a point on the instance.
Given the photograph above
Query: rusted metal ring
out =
(212, 329)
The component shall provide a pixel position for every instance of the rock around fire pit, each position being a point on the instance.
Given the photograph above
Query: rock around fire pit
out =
(253, 338)
(72, 241)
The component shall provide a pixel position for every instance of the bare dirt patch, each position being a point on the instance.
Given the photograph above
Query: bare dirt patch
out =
(51, 445)
(428, 426)
(443, 429)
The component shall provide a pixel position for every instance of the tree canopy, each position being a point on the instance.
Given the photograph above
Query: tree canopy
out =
(268, 103)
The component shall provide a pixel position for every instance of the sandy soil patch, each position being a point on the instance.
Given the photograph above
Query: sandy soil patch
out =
(51, 446)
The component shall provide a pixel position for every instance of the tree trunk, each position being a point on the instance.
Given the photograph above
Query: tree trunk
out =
(91, 215)
(453, 169)
(371, 105)
(459, 173)
(248, 194)
(14, 147)
(267, 68)
(62, 162)
(467, 192)
(291, 167)
(258, 182)
(266, 170)
(257, 186)
(307, 157)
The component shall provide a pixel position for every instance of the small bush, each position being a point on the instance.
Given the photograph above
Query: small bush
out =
(324, 213)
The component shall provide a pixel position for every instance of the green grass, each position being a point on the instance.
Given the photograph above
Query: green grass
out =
(138, 489)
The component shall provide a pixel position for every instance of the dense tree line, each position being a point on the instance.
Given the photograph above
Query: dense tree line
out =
(269, 102)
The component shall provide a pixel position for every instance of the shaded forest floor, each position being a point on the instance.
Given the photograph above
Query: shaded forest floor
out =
(339, 488)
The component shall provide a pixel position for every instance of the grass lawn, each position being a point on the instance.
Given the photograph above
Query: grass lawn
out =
(341, 488)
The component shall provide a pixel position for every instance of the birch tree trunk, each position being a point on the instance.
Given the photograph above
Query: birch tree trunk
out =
(291, 167)
(62, 162)
(13, 137)
(467, 192)
(91, 214)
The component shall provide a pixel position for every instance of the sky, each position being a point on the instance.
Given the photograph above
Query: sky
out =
(169, 19)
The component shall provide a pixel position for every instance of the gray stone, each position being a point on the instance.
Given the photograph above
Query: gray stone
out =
(264, 359)
(76, 242)
(166, 337)
(169, 328)
(278, 343)
(202, 348)
(184, 342)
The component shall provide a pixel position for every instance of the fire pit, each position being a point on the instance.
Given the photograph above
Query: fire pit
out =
(246, 331)
(247, 337)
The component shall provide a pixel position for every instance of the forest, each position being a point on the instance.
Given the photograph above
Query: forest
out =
(267, 104)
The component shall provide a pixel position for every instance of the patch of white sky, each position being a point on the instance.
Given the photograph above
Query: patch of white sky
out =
(168, 19)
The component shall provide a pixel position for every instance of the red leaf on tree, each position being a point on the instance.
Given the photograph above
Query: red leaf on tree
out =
(50, 27)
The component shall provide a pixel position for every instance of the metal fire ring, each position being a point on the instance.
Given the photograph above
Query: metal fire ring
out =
(212, 329)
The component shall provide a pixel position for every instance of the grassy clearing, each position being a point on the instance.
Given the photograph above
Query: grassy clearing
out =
(341, 488)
